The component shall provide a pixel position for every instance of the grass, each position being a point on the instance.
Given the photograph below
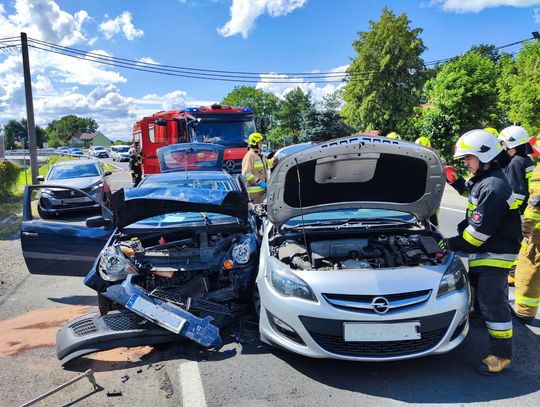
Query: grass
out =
(9, 206)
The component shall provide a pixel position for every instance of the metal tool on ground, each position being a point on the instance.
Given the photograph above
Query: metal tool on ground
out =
(89, 373)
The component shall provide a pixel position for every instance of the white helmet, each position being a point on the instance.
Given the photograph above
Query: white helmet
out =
(514, 136)
(479, 143)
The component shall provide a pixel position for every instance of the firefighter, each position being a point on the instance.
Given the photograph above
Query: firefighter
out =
(394, 135)
(520, 166)
(527, 277)
(423, 141)
(255, 169)
(490, 234)
(135, 166)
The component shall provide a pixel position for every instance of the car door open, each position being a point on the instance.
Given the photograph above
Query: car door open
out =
(64, 245)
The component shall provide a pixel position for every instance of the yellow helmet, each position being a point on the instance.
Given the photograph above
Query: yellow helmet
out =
(492, 131)
(254, 139)
(393, 135)
(423, 141)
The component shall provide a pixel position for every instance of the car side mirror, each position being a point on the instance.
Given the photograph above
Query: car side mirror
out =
(40, 178)
(97, 222)
(108, 173)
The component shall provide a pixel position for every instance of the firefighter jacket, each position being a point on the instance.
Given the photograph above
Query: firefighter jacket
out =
(519, 172)
(491, 231)
(531, 218)
(135, 165)
(255, 171)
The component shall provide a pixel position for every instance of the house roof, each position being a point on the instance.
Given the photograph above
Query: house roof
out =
(87, 136)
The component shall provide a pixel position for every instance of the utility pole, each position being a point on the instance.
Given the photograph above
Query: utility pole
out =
(32, 142)
(2, 154)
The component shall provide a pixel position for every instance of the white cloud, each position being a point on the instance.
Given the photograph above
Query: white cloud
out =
(245, 12)
(148, 60)
(318, 90)
(121, 23)
(461, 6)
(44, 20)
(537, 15)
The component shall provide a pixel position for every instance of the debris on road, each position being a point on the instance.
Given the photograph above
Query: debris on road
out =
(114, 393)
(124, 378)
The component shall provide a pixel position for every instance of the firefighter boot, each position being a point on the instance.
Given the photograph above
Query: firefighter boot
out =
(493, 365)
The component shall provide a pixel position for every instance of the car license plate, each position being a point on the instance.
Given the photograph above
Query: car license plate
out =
(76, 200)
(170, 320)
(368, 332)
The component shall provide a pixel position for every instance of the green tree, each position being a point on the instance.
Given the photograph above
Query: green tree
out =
(63, 129)
(465, 91)
(289, 114)
(323, 125)
(524, 96)
(15, 131)
(386, 76)
(264, 104)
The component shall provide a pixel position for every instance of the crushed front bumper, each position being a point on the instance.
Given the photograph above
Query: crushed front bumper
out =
(165, 314)
(94, 333)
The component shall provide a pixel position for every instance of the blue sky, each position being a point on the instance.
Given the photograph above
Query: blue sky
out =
(269, 36)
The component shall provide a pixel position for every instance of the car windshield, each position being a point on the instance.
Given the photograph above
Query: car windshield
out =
(122, 149)
(175, 219)
(222, 184)
(224, 132)
(342, 216)
(75, 171)
(99, 148)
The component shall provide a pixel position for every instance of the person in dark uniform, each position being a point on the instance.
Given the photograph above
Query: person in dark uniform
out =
(135, 166)
(490, 234)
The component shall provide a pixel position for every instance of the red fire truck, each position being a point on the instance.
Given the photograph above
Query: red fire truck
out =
(220, 124)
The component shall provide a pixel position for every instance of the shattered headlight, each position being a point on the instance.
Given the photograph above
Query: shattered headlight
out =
(114, 265)
(241, 253)
(454, 278)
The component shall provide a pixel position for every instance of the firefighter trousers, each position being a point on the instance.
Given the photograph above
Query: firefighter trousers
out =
(491, 287)
(527, 280)
(136, 177)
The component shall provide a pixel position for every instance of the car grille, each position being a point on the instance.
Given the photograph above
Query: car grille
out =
(232, 166)
(363, 303)
(125, 321)
(67, 193)
(84, 327)
(328, 334)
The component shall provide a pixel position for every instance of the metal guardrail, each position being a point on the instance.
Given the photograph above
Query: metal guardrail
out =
(44, 152)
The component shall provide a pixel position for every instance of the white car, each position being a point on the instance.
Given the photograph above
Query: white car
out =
(120, 153)
(350, 267)
(98, 151)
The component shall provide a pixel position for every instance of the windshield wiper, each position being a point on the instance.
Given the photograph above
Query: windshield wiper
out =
(355, 222)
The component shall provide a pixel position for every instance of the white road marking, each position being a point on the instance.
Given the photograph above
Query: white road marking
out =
(114, 165)
(452, 209)
(191, 384)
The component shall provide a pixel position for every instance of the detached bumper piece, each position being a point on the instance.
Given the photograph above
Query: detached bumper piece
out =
(172, 317)
(94, 333)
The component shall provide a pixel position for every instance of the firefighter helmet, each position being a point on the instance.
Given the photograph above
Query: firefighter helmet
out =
(492, 131)
(479, 143)
(254, 139)
(514, 136)
(423, 141)
(394, 135)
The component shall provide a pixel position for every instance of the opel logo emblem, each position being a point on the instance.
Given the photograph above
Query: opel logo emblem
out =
(380, 305)
(229, 165)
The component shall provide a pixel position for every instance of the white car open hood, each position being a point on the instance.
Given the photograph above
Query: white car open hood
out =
(357, 172)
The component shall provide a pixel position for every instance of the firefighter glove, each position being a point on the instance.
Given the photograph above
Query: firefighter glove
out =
(451, 174)
(262, 184)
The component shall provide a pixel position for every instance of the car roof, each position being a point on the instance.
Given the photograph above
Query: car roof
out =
(73, 163)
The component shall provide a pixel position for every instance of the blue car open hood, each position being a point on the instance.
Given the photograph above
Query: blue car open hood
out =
(137, 204)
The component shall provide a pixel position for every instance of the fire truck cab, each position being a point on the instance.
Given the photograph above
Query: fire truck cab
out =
(219, 124)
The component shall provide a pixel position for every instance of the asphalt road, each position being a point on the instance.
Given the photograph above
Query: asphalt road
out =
(246, 373)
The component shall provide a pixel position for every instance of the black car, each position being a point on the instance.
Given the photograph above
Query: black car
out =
(87, 176)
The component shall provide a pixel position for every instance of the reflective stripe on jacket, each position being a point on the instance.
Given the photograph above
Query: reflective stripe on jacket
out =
(491, 231)
(254, 170)
(519, 171)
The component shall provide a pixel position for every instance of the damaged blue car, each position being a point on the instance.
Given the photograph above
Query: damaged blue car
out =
(173, 261)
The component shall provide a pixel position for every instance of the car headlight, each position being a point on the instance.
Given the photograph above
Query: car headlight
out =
(114, 265)
(97, 186)
(47, 192)
(287, 283)
(454, 278)
(241, 253)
